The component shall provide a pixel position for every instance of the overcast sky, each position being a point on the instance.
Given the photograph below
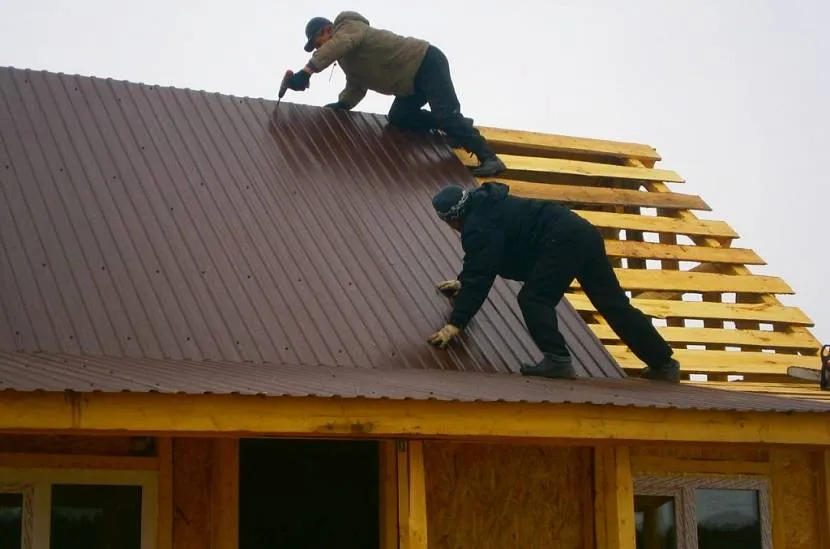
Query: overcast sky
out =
(732, 93)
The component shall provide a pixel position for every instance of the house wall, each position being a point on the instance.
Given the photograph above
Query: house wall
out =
(492, 496)
(797, 480)
(478, 494)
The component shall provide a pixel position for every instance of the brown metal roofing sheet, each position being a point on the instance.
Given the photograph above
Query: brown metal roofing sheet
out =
(146, 221)
(57, 373)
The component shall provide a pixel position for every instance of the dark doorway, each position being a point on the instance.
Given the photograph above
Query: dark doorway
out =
(308, 494)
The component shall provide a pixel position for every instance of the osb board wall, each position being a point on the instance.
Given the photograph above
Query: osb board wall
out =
(795, 497)
(725, 453)
(492, 496)
(74, 445)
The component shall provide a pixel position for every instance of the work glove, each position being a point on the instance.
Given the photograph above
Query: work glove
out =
(449, 288)
(442, 337)
(338, 106)
(299, 80)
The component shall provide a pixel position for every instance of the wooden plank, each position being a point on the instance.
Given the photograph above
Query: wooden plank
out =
(164, 450)
(388, 500)
(791, 390)
(655, 224)
(412, 511)
(74, 461)
(660, 308)
(602, 196)
(535, 141)
(729, 362)
(224, 520)
(576, 167)
(663, 465)
(680, 252)
(685, 281)
(824, 497)
(238, 415)
(722, 336)
(614, 498)
(778, 500)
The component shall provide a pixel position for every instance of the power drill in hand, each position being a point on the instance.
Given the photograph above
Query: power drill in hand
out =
(284, 85)
(283, 88)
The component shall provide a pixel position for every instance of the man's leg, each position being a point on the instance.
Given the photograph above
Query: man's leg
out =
(435, 82)
(634, 328)
(406, 113)
(551, 276)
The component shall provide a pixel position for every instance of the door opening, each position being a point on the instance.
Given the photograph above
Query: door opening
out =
(308, 494)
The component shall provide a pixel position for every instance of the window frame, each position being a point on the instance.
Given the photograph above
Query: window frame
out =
(36, 486)
(682, 488)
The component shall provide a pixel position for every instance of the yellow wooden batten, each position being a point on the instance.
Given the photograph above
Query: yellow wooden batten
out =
(616, 186)
(223, 415)
(578, 167)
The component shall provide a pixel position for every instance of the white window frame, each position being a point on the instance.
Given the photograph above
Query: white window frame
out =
(36, 487)
(682, 489)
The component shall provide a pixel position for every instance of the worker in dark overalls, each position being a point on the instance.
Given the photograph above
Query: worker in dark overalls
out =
(546, 246)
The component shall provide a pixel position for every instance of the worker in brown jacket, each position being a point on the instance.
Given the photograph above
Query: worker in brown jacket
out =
(411, 69)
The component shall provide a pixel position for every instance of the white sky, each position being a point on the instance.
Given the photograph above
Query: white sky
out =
(732, 93)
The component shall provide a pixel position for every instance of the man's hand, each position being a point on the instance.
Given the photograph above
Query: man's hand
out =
(338, 106)
(442, 337)
(449, 288)
(299, 81)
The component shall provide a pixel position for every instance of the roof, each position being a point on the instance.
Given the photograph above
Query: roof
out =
(689, 273)
(59, 373)
(149, 222)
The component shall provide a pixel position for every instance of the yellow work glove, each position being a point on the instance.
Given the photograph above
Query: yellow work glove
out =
(442, 337)
(449, 288)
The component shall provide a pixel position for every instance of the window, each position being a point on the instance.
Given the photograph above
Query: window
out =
(702, 512)
(67, 508)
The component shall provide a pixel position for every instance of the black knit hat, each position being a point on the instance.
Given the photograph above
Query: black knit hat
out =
(449, 202)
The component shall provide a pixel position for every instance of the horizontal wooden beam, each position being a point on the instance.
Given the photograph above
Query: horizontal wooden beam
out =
(659, 224)
(603, 196)
(679, 252)
(702, 310)
(74, 461)
(685, 281)
(721, 362)
(576, 167)
(544, 142)
(238, 415)
(810, 391)
(723, 336)
(662, 465)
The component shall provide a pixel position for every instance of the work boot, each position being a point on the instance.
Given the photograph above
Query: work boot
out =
(669, 371)
(489, 166)
(552, 366)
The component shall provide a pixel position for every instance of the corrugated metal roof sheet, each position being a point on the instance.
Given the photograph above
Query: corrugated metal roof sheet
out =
(28, 372)
(151, 222)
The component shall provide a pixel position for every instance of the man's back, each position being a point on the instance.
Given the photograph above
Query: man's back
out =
(516, 225)
(377, 59)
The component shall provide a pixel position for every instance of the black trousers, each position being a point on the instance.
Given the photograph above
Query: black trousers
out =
(433, 85)
(577, 250)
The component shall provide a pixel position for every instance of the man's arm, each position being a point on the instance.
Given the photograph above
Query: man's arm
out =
(348, 36)
(482, 252)
(352, 94)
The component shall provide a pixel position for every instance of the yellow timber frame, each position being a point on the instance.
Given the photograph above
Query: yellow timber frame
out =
(402, 427)
(678, 268)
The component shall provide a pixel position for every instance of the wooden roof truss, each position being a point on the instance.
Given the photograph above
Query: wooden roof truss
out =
(685, 272)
